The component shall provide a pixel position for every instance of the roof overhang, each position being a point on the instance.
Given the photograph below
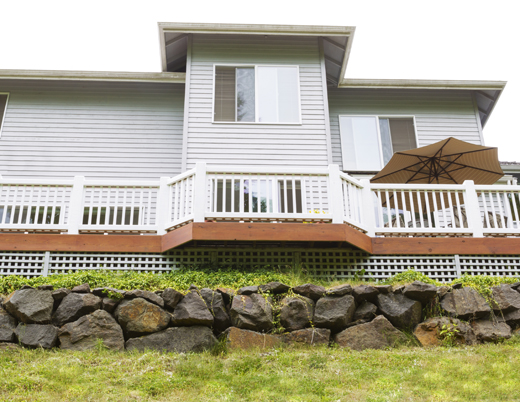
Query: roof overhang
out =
(486, 92)
(92, 76)
(337, 41)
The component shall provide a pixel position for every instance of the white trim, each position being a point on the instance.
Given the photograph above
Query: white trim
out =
(477, 117)
(4, 112)
(186, 113)
(422, 84)
(377, 117)
(255, 66)
(123, 76)
(328, 137)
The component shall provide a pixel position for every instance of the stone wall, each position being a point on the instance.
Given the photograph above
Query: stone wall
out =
(262, 316)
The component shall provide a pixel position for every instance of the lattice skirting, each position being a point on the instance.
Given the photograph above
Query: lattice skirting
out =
(323, 263)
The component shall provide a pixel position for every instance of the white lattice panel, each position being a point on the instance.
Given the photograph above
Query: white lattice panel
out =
(20, 263)
(65, 262)
(343, 264)
(490, 265)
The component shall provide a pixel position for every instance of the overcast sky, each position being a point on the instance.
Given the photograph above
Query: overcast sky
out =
(457, 39)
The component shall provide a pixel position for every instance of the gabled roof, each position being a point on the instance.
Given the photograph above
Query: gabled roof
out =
(337, 41)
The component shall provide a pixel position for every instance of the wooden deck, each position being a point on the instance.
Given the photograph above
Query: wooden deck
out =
(312, 234)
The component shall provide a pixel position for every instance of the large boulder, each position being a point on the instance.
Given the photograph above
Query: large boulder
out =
(364, 293)
(339, 290)
(402, 312)
(171, 298)
(505, 299)
(178, 339)
(296, 312)
(139, 317)
(488, 331)
(236, 338)
(89, 330)
(192, 310)
(84, 288)
(274, 288)
(420, 291)
(465, 303)
(252, 312)
(60, 293)
(334, 313)
(365, 311)
(215, 303)
(109, 304)
(377, 334)
(75, 305)
(247, 290)
(7, 326)
(37, 336)
(145, 294)
(30, 306)
(310, 290)
(432, 331)
(512, 318)
(308, 336)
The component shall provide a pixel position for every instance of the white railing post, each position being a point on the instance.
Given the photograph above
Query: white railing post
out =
(76, 205)
(368, 213)
(163, 213)
(335, 194)
(473, 208)
(199, 193)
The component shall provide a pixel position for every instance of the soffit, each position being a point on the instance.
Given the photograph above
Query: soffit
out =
(336, 41)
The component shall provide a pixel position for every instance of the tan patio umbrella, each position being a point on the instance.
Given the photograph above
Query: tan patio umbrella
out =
(450, 161)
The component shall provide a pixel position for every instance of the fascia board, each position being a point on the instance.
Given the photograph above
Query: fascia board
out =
(422, 84)
(175, 78)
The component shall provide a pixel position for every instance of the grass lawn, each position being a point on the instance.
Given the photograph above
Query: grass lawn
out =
(479, 373)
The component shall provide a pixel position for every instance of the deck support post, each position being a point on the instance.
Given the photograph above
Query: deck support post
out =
(473, 208)
(368, 215)
(76, 205)
(163, 213)
(335, 194)
(199, 193)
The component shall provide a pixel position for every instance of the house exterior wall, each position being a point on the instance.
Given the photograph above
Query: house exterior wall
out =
(116, 130)
(438, 113)
(256, 144)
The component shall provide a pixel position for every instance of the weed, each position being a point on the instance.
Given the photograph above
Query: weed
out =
(448, 334)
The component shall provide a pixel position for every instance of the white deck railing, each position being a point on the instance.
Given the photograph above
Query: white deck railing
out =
(225, 193)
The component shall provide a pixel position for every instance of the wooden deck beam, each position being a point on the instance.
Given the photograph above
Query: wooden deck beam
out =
(259, 232)
(80, 243)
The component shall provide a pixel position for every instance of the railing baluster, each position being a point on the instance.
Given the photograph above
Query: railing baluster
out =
(501, 211)
(412, 208)
(420, 209)
(427, 202)
(493, 211)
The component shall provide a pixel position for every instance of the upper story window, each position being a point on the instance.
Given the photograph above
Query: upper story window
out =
(257, 94)
(3, 107)
(368, 142)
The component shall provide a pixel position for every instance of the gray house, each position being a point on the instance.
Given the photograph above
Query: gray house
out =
(250, 147)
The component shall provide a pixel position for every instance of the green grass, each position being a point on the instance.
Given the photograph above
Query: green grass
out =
(479, 373)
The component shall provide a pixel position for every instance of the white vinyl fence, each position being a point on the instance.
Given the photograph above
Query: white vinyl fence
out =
(265, 194)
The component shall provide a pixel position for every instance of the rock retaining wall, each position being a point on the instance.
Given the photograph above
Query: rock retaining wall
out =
(255, 316)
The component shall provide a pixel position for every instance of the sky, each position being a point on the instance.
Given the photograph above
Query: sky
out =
(456, 39)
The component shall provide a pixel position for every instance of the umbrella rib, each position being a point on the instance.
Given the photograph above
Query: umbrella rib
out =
(462, 166)
(406, 168)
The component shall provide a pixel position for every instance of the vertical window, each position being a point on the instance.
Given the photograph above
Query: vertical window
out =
(261, 94)
(368, 142)
(3, 107)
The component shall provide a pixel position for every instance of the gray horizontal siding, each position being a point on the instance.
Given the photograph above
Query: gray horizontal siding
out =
(100, 130)
(438, 114)
(256, 144)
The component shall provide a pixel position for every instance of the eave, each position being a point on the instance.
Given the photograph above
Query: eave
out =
(486, 93)
(173, 78)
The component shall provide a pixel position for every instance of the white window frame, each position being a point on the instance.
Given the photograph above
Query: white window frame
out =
(5, 112)
(377, 117)
(255, 66)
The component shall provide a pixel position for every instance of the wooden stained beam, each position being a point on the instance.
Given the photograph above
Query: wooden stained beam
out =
(81, 242)
(445, 245)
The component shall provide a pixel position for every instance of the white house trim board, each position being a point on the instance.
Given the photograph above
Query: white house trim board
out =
(123, 76)
(185, 127)
(422, 84)
(325, 96)
(4, 112)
